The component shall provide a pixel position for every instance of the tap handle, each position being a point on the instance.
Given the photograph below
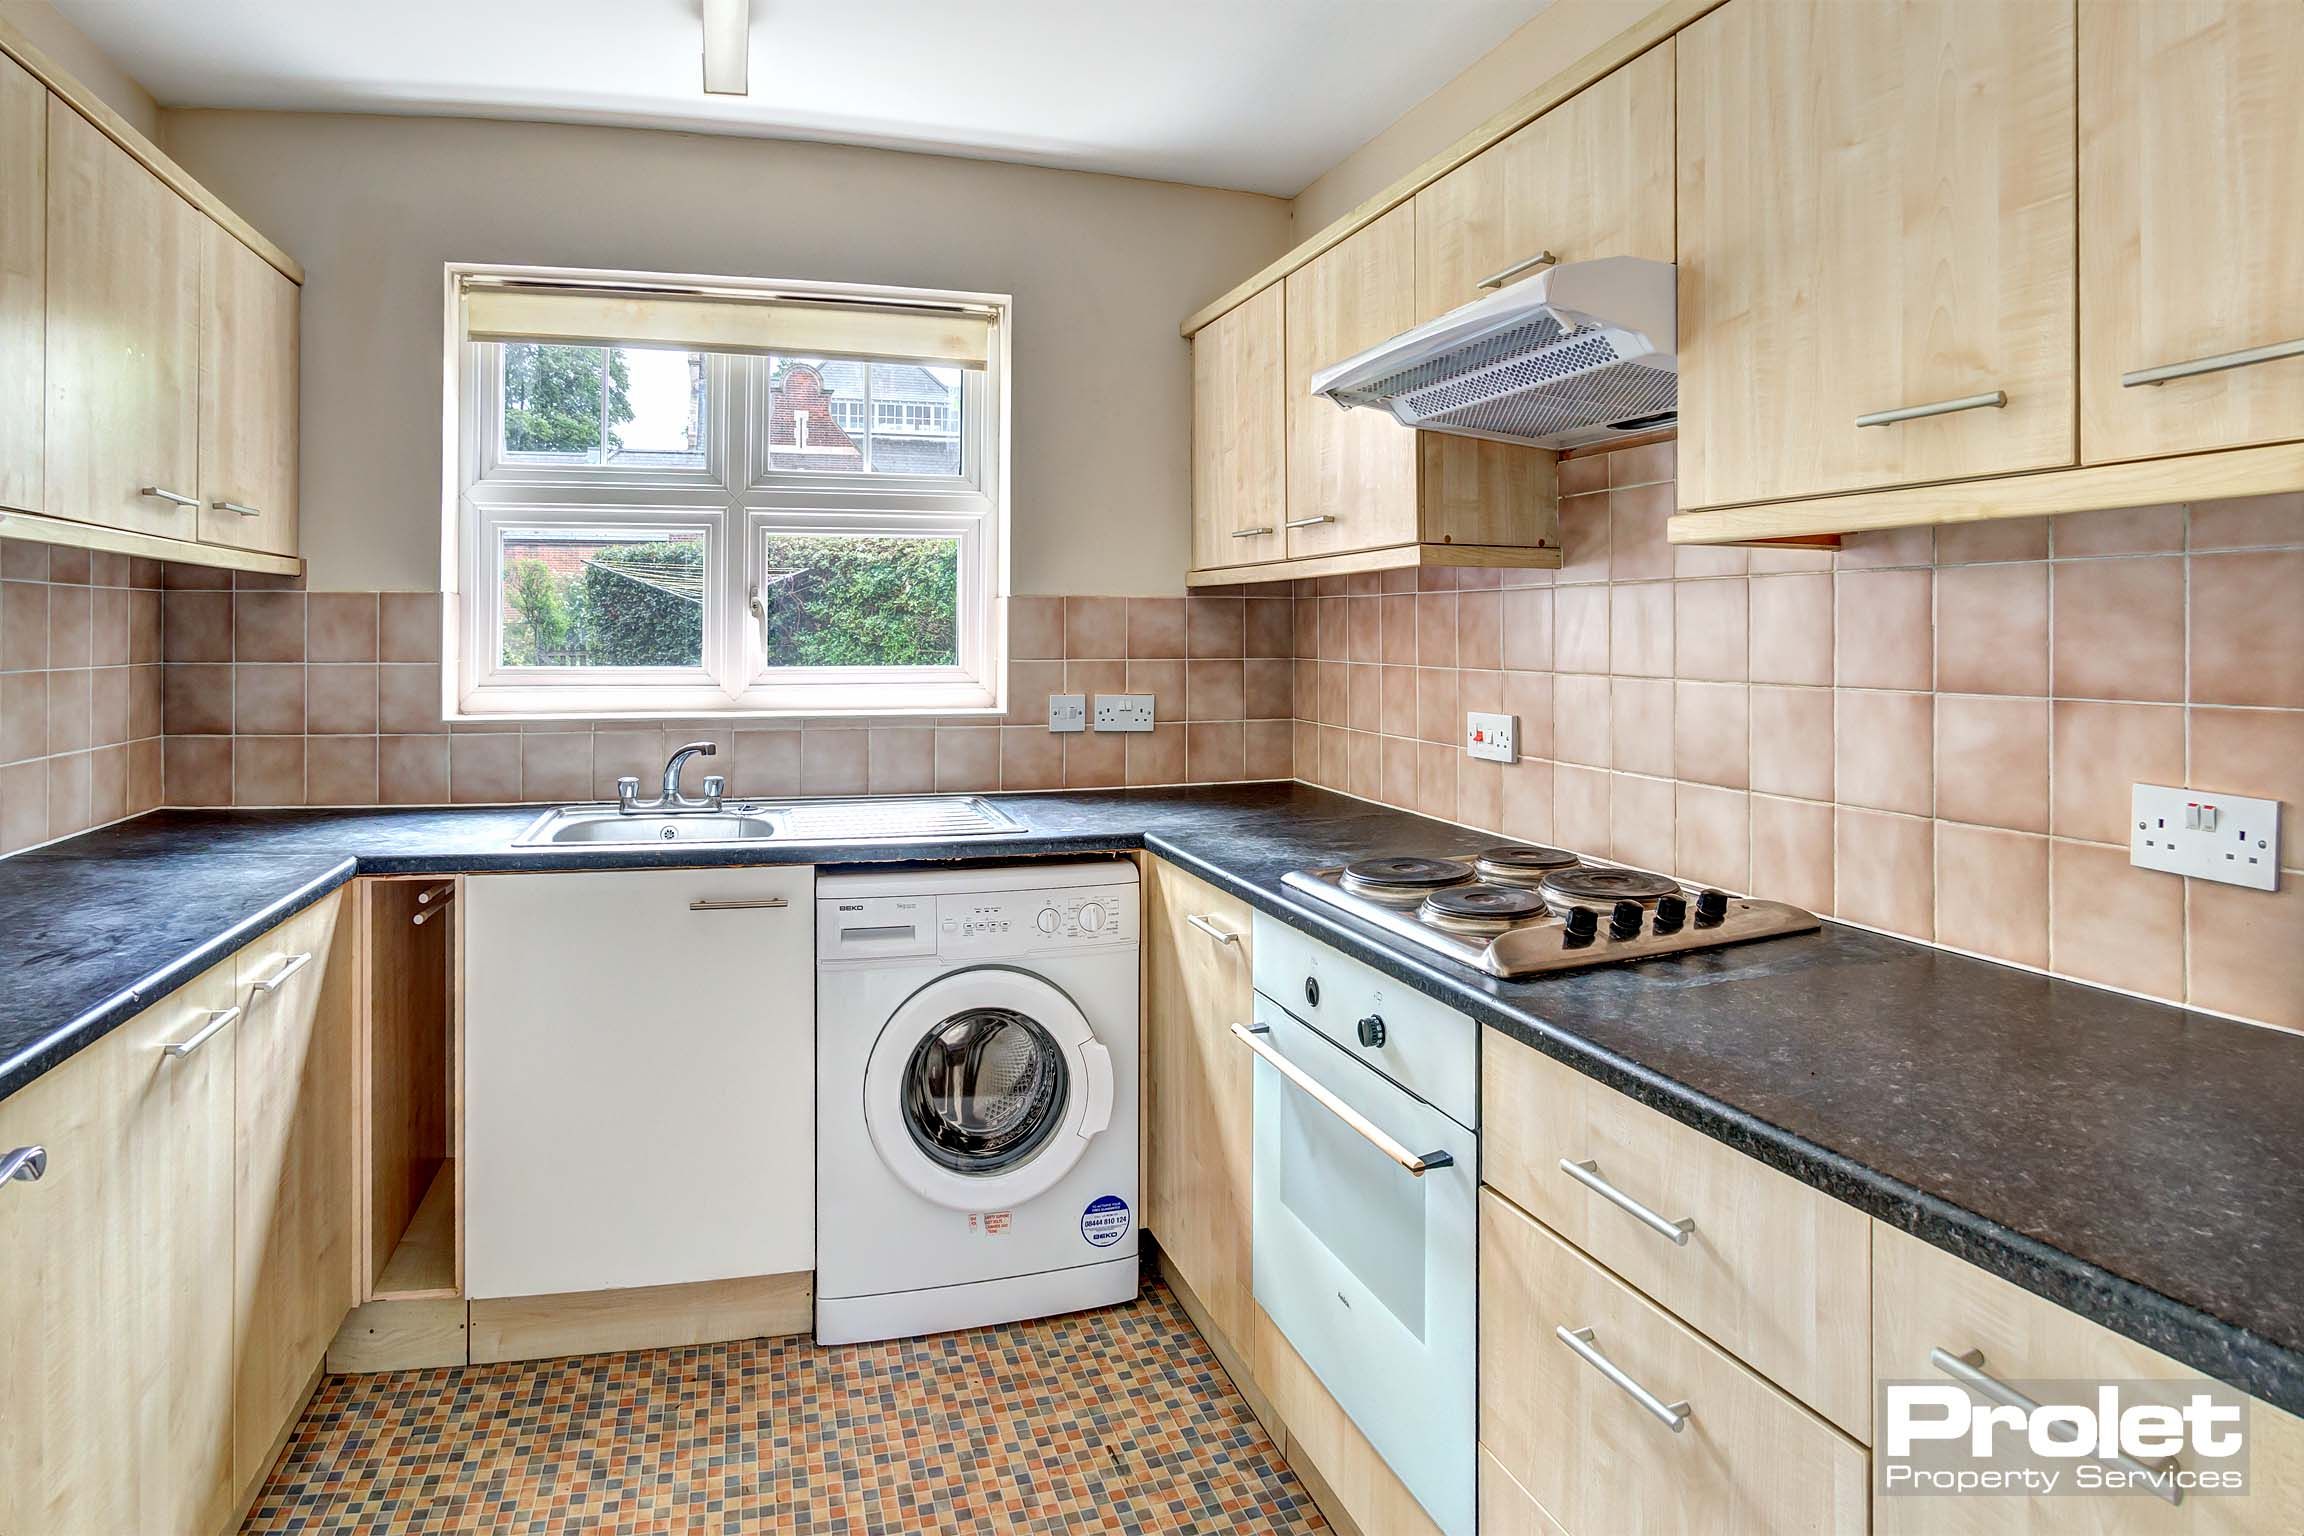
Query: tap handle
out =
(627, 790)
(715, 786)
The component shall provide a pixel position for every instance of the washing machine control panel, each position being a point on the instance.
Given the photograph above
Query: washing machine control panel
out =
(1004, 923)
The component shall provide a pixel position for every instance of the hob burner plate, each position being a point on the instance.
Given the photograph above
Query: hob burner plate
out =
(1482, 908)
(1522, 865)
(1605, 887)
(1401, 877)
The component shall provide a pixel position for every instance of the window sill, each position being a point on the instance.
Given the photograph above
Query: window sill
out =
(517, 705)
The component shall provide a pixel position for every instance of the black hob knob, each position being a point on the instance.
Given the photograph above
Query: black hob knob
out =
(1711, 907)
(1671, 913)
(1582, 923)
(1371, 1031)
(1312, 991)
(1624, 922)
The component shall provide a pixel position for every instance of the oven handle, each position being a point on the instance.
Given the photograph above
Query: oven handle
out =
(1365, 1127)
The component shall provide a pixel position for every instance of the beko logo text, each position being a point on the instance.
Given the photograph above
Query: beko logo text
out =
(2063, 1437)
(850, 906)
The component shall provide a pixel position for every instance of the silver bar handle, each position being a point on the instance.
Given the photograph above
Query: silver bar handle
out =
(234, 506)
(1220, 935)
(1968, 1370)
(272, 982)
(737, 904)
(162, 493)
(26, 1163)
(2247, 357)
(1991, 400)
(217, 1019)
(1366, 1128)
(1309, 522)
(1251, 533)
(1673, 1416)
(1587, 1173)
(1499, 279)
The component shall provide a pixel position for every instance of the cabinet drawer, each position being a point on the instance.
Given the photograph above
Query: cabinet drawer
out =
(1775, 1271)
(1745, 1459)
(1924, 1299)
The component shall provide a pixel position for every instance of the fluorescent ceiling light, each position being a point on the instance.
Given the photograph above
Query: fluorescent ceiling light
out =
(727, 46)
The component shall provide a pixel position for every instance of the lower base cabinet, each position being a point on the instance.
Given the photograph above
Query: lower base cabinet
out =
(116, 1265)
(1600, 1457)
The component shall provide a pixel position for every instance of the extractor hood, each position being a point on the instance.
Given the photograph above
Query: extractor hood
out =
(1580, 353)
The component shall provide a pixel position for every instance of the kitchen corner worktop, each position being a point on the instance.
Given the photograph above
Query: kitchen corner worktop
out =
(2135, 1162)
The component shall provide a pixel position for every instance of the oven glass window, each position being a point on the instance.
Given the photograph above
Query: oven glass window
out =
(984, 1090)
(1360, 1204)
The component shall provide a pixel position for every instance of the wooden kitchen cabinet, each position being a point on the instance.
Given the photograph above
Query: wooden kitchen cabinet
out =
(248, 321)
(23, 283)
(1876, 214)
(1748, 1461)
(296, 1208)
(2191, 220)
(123, 338)
(1590, 178)
(116, 1342)
(1924, 1299)
(1201, 1088)
(1239, 435)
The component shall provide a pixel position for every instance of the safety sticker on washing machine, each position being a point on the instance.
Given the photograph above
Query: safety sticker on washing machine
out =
(991, 1223)
(1105, 1221)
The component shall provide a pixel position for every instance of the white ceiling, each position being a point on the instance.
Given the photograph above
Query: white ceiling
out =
(1256, 94)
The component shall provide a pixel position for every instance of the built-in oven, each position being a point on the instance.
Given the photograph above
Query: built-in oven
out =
(1365, 1242)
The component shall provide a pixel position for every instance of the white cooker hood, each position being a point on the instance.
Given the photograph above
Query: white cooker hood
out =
(1578, 354)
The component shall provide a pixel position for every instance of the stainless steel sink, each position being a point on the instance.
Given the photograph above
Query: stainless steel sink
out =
(912, 819)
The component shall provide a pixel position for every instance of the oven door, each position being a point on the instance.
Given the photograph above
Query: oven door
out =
(1368, 1267)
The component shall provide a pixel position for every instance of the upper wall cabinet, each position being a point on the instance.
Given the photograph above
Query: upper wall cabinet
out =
(1876, 219)
(123, 338)
(1590, 178)
(23, 281)
(2191, 225)
(1239, 435)
(247, 399)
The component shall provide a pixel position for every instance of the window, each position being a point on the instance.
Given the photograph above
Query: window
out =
(724, 498)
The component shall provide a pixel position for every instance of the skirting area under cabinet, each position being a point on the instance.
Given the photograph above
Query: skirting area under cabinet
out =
(1117, 1420)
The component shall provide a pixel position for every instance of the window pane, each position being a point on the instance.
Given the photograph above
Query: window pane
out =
(585, 597)
(860, 600)
(836, 414)
(626, 407)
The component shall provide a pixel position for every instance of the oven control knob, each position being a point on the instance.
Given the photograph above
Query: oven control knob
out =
(1625, 920)
(1671, 913)
(1711, 907)
(1311, 991)
(1581, 922)
(1371, 1030)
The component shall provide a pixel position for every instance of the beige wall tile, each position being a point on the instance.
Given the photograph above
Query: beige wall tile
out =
(2117, 629)
(1792, 852)
(1712, 836)
(967, 759)
(2098, 752)
(2003, 538)
(1268, 747)
(1524, 801)
(341, 770)
(1637, 548)
(1580, 812)
(1580, 728)
(1792, 742)
(1992, 892)
(2118, 531)
(1710, 630)
(1883, 871)
(1439, 715)
(1640, 725)
(1583, 539)
(1712, 733)
(1213, 690)
(2247, 951)
(1882, 629)
(1992, 761)
(1215, 627)
(838, 762)
(2112, 923)
(1155, 626)
(1436, 780)
(1214, 753)
(1098, 626)
(410, 770)
(1580, 629)
(1640, 829)
(2253, 752)
(484, 769)
(1479, 619)
(900, 760)
(1525, 626)
(1884, 750)
(268, 699)
(1791, 628)
(2247, 522)
(1992, 629)
(1640, 629)
(2247, 614)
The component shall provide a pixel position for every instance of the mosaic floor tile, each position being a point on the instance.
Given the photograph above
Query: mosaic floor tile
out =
(1115, 1421)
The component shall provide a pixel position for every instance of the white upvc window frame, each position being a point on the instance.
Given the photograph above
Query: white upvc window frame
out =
(734, 501)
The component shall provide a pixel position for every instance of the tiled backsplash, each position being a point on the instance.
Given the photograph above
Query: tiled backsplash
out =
(283, 697)
(1929, 732)
(80, 691)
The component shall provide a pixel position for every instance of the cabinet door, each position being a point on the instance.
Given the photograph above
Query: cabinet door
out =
(1876, 215)
(1351, 474)
(123, 338)
(1590, 178)
(2191, 161)
(1201, 1091)
(23, 282)
(116, 1344)
(639, 1078)
(1239, 435)
(247, 397)
(296, 1208)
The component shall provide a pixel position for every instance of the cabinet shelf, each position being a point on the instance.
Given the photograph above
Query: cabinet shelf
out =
(423, 1263)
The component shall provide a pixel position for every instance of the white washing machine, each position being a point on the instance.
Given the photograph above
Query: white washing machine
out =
(976, 1097)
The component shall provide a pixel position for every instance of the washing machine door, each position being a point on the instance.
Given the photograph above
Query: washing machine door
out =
(984, 1089)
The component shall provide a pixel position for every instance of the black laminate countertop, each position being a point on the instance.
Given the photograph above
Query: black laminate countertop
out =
(2140, 1164)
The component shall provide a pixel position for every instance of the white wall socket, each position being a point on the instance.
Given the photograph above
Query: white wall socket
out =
(1067, 711)
(1494, 737)
(1123, 711)
(2197, 832)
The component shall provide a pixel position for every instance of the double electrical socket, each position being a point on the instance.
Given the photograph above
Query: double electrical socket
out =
(1493, 737)
(1114, 712)
(2231, 838)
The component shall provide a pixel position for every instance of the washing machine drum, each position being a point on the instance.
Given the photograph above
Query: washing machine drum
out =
(984, 1089)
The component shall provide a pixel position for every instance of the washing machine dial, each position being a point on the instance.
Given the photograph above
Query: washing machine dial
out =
(1091, 918)
(1047, 920)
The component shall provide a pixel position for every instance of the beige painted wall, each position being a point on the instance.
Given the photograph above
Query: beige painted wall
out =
(1560, 34)
(1101, 268)
(70, 47)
